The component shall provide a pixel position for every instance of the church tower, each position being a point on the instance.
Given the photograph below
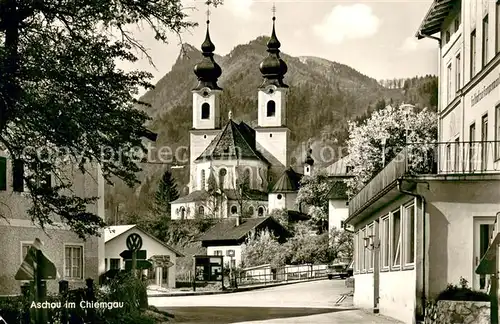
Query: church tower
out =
(272, 133)
(206, 105)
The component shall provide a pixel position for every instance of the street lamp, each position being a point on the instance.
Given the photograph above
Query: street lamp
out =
(371, 243)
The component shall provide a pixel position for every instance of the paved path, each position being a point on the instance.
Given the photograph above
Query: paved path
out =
(308, 302)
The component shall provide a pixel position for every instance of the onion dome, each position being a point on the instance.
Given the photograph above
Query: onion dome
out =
(309, 160)
(273, 68)
(207, 71)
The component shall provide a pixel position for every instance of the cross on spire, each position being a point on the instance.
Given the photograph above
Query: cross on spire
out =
(208, 11)
(274, 11)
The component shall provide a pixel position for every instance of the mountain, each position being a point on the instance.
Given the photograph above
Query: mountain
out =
(323, 97)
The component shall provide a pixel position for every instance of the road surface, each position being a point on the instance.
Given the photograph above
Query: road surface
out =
(307, 302)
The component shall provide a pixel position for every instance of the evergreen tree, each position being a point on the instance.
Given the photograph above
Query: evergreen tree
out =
(166, 193)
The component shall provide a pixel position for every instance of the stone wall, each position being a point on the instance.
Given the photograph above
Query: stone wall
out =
(458, 312)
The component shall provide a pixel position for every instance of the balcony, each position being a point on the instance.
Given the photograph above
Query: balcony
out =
(450, 158)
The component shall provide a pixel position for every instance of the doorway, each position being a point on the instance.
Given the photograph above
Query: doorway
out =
(483, 229)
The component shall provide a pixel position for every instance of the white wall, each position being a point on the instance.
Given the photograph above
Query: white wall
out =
(275, 141)
(337, 212)
(279, 97)
(213, 100)
(117, 245)
(397, 295)
(237, 253)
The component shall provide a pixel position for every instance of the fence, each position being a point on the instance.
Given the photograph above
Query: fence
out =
(281, 275)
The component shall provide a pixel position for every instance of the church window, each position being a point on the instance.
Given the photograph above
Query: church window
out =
(271, 108)
(307, 169)
(280, 196)
(261, 211)
(183, 212)
(205, 111)
(222, 174)
(270, 135)
(234, 209)
(204, 136)
(202, 179)
(250, 210)
(201, 210)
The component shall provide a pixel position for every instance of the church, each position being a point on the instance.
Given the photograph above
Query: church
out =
(237, 170)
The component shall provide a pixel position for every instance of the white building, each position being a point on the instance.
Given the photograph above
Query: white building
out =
(417, 234)
(226, 158)
(163, 256)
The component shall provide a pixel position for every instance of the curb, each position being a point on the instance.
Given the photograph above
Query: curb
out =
(242, 289)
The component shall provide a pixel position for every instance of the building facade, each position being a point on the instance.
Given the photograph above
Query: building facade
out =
(427, 230)
(234, 167)
(75, 259)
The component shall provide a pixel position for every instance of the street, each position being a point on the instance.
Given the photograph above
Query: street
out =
(308, 302)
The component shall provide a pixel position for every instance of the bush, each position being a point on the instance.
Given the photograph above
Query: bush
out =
(462, 293)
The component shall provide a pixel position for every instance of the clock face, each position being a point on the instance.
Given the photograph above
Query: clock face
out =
(205, 92)
(271, 89)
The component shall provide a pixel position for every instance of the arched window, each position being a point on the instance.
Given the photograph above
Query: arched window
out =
(203, 180)
(205, 110)
(183, 212)
(234, 209)
(250, 211)
(271, 108)
(201, 210)
(260, 211)
(222, 174)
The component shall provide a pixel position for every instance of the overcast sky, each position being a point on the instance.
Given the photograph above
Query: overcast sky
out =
(375, 37)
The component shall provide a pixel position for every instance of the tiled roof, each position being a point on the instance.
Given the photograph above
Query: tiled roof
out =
(338, 190)
(234, 141)
(197, 195)
(249, 195)
(288, 182)
(227, 229)
(439, 10)
(338, 168)
(113, 231)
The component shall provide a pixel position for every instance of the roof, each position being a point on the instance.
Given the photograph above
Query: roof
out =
(439, 10)
(338, 190)
(112, 232)
(197, 195)
(288, 182)
(232, 194)
(234, 141)
(338, 168)
(227, 230)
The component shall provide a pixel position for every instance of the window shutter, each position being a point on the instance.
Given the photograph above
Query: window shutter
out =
(3, 173)
(18, 175)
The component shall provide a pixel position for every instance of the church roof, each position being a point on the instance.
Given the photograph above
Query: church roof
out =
(288, 182)
(197, 195)
(234, 141)
(232, 194)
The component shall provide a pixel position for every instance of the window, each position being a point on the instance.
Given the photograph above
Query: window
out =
(472, 147)
(396, 238)
(385, 246)
(371, 233)
(497, 38)
(484, 144)
(3, 173)
(473, 54)
(260, 211)
(458, 75)
(448, 157)
(485, 41)
(449, 90)
(18, 175)
(218, 252)
(362, 250)
(271, 108)
(280, 196)
(497, 133)
(410, 234)
(222, 174)
(205, 111)
(73, 262)
(234, 209)
(457, 23)
(201, 210)
(114, 264)
(355, 254)
(447, 37)
(183, 212)
(250, 211)
(457, 155)
(203, 182)
(246, 177)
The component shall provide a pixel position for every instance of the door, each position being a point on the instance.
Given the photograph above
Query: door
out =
(483, 229)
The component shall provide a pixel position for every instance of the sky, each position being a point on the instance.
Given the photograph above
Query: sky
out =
(375, 37)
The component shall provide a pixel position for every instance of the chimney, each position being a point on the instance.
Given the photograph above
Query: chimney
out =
(238, 220)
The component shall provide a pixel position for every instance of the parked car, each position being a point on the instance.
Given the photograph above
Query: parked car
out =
(340, 270)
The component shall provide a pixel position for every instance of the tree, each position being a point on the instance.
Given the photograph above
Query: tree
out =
(313, 194)
(165, 194)
(263, 248)
(367, 154)
(61, 92)
(341, 244)
(307, 247)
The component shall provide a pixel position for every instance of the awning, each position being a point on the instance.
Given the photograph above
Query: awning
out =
(440, 9)
(488, 264)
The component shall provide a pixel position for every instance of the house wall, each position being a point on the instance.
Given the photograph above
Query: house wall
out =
(287, 201)
(337, 213)
(118, 244)
(394, 300)
(16, 227)
(237, 253)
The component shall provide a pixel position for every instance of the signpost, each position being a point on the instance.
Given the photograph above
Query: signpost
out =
(134, 244)
(230, 254)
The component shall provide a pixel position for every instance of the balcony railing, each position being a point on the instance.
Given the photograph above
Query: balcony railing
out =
(450, 158)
